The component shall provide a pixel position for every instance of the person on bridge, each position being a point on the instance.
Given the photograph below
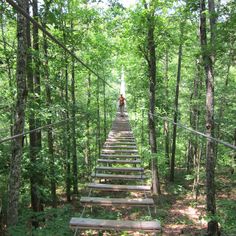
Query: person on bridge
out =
(121, 104)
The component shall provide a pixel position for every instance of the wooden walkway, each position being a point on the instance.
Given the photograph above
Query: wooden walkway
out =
(118, 172)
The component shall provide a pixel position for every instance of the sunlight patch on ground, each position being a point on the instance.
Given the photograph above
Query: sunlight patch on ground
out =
(184, 213)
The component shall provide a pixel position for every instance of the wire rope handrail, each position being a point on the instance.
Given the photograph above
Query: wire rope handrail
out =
(60, 123)
(197, 132)
(35, 130)
(165, 118)
(55, 40)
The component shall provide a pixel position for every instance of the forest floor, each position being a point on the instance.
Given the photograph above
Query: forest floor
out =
(183, 214)
(180, 213)
(177, 209)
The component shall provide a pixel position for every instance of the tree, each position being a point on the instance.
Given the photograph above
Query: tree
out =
(172, 163)
(34, 121)
(50, 141)
(151, 61)
(19, 119)
(208, 54)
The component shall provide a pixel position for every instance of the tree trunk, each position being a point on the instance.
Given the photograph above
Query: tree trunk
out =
(152, 89)
(104, 111)
(166, 124)
(172, 163)
(194, 120)
(49, 120)
(19, 119)
(98, 119)
(35, 137)
(67, 141)
(73, 132)
(234, 155)
(88, 151)
(222, 100)
(32, 124)
(207, 55)
(9, 71)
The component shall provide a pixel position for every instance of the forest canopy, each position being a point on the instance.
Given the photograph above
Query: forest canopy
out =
(61, 67)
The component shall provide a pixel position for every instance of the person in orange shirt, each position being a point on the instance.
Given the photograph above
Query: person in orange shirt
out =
(121, 104)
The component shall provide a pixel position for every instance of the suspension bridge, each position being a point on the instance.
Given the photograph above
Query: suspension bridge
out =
(118, 172)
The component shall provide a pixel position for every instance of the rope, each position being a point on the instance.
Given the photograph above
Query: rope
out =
(37, 129)
(27, 16)
(34, 130)
(197, 132)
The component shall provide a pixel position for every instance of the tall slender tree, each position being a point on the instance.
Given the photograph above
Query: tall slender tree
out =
(176, 107)
(34, 121)
(8, 63)
(88, 149)
(208, 53)
(151, 60)
(166, 124)
(19, 119)
(98, 133)
(73, 131)
(49, 104)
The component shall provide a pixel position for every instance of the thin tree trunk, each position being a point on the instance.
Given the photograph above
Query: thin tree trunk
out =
(67, 141)
(9, 73)
(35, 138)
(49, 122)
(19, 120)
(37, 71)
(234, 155)
(172, 163)
(73, 132)
(151, 59)
(166, 124)
(197, 159)
(189, 155)
(32, 125)
(98, 119)
(104, 111)
(194, 124)
(88, 151)
(222, 100)
(194, 117)
(210, 158)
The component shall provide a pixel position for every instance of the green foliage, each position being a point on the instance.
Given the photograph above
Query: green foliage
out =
(107, 40)
(227, 215)
(52, 222)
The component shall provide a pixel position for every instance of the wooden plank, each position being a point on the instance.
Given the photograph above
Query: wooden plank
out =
(119, 161)
(117, 201)
(119, 151)
(119, 187)
(111, 176)
(121, 136)
(119, 143)
(120, 140)
(119, 169)
(123, 139)
(120, 147)
(119, 156)
(121, 130)
(122, 127)
(117, 225)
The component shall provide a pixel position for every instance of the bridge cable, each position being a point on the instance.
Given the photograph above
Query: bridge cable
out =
(35, 130)
(197, 132)
(27, 16)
